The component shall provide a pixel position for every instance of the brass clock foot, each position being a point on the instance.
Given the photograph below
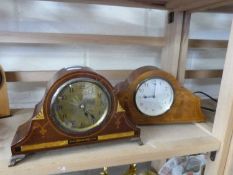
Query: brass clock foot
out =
(15, 159)
(105, 171)
(138, 140)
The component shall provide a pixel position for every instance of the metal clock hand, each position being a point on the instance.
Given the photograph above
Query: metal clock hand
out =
(155, 90)
(87, 113)
(80, 102)
(151, 96)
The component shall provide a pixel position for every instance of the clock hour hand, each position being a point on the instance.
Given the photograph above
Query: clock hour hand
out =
(150, 96)
(87, 113)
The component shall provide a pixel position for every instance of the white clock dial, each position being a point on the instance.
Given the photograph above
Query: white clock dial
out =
(154, 97)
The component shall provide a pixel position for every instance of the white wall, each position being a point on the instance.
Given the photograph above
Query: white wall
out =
(41, 16)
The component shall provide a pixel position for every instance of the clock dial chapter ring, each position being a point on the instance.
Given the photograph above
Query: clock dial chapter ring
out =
(153, 96)
(85, 108)
(81, 119)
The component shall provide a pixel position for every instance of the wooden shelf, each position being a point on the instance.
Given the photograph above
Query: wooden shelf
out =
(64, 38)
(198, 74)
(160, 142)
(194, 5)
(201, 43)
(125, 3)
(44, 76)
(222, 6)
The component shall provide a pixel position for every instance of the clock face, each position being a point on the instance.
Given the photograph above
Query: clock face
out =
(154, 97)
(80, 105)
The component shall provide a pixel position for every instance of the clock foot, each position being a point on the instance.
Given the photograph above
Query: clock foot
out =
(15, 159)
(138, 140)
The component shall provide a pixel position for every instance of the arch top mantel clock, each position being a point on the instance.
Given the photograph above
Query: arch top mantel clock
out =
(152, 96)
(79, 107)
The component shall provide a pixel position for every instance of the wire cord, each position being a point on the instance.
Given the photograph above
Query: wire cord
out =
(208, 109)
(207, 95)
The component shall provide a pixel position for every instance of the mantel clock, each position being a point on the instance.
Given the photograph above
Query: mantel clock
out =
(79, 107)
(152, 96)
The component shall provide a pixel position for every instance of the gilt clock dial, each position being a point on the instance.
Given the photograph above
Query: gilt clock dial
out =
(154, 97)
(80, 105)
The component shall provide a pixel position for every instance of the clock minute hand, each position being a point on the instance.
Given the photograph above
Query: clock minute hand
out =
(87, 114)
(154, 90)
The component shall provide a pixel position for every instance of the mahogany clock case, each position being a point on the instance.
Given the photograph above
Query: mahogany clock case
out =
(42, 133)
(4, 101)
(185, 107)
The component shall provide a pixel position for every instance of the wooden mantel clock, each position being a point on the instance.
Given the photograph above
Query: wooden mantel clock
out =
(152, 96)
(4, 101)
(79, 107)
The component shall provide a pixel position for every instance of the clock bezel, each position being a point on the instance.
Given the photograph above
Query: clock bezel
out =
(150, 78)
(64, 76)
(75, 80)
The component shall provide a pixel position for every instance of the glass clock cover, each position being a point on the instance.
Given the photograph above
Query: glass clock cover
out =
(80, 105)
(154, 97)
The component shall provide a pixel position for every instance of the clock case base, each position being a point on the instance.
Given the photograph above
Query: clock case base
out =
(20, 157)
(40, 133)
(185, 108)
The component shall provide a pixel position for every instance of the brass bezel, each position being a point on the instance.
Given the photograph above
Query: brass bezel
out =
(100, 121)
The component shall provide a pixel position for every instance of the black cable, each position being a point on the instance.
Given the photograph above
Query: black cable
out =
(208, 109)
(207, 95)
